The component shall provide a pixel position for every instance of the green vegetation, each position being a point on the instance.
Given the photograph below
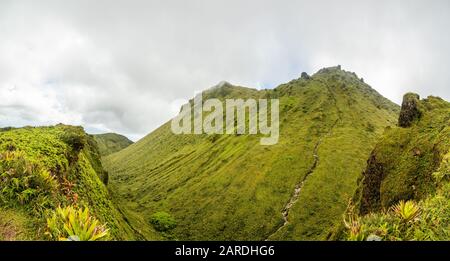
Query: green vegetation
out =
(229, 187)
(404, 193)
(42, 168)
(314, 184)
(74, 224)
(404, 160)
(15, 225)
(110, 143)
(25, 183)
(163, 221)
(430, 221)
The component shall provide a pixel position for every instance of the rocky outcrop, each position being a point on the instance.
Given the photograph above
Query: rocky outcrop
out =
(371, 183)
(405, 162)
(305, 76)
(410, 110)
(330, 69)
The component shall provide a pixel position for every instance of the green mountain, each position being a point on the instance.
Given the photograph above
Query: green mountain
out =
(404, 193)
(349, 165)
(229, 187)
(110, 143)
(44, 168)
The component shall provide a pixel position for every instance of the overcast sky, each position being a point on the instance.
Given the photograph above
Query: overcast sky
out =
(124, 66)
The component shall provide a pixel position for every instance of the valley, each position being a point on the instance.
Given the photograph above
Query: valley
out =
(229, 187)
(349, 165)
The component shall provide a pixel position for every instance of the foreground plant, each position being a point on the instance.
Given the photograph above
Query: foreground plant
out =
(406, 211)
(27, 183)
(353, 224)
(72, 224)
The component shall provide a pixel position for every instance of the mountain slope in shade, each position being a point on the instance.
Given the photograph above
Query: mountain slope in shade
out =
(109, 143)
(229, 187)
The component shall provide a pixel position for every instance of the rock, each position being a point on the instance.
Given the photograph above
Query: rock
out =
(73, 238)
(410, 110)
(372, 178)
(373, 237)
(330, 69)
(305, 76)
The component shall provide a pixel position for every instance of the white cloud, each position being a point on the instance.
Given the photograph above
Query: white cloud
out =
(123, 66)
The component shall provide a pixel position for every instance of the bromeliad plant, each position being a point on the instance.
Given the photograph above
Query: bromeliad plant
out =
(407, 211)
(71, 223)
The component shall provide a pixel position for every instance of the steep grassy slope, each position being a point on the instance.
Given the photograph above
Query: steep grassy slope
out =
(42, 168)
(411, 162)
(110, 143)
(229, 187)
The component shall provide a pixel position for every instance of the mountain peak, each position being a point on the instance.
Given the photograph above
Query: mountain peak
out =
(221, 84)
(330, 69)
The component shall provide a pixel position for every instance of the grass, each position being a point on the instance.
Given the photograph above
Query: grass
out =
(408, 158)
(44, 167)
(15, 225)
(405, 190)
(231, 188)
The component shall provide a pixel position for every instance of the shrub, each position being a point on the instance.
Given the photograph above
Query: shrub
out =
(23, 182)
(72, 224)
(75, 138)
(163, 221)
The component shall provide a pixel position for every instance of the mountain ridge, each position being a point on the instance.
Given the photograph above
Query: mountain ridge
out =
(213, 169)
(43, 168)
(349, 165)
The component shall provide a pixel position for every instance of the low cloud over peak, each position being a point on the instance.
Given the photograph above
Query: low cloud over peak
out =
(120, 66)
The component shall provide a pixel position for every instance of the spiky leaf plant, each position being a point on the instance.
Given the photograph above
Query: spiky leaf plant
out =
(69, 222)
(407, 211)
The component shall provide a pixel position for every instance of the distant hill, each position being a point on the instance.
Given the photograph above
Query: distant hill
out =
(110, 143)
(229, 187)
(410, 162)
(42, 168)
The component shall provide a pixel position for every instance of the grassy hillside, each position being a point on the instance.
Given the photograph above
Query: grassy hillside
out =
(409, 164)
(46, 167)
(110, 143)
(229, 187)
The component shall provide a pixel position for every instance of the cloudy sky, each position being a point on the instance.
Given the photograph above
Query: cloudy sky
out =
(125, 66)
